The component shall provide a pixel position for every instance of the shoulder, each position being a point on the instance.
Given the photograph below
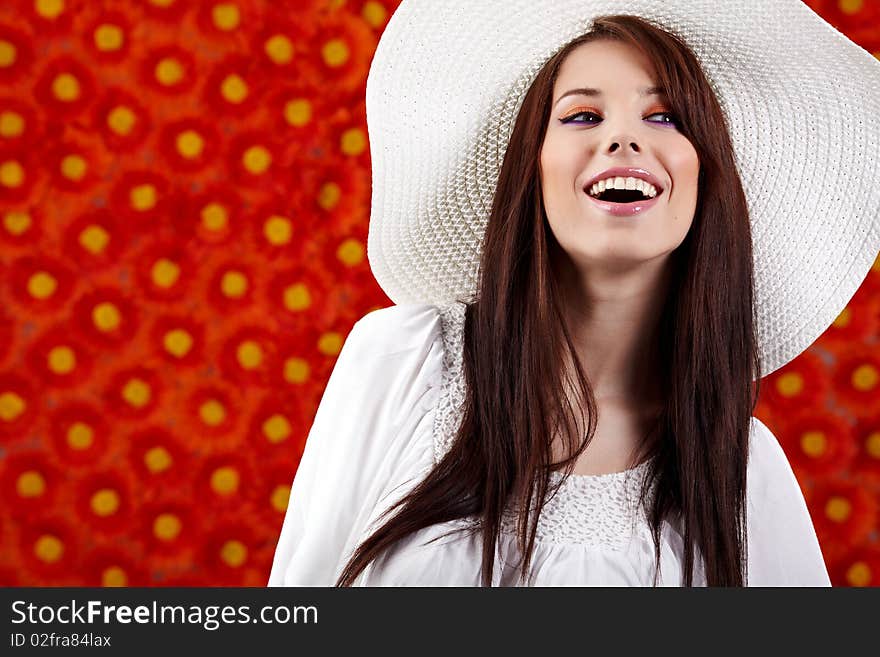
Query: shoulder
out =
(764, 448)
(765, 453)
(769, 471)
(406, 326)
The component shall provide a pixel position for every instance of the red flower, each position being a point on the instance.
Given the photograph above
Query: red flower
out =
(168, 529)
(817, 443)
(170, 70)
(802, 383)
(299, 367)
(867, 436)
(231, 287)
(274, 494)
(103, 501)
(281, 229)
(21, 176)
(248, 356)
(20, 124)
(158, 459)
(235, 86)
(336, 193)
(214, 216)
(96, 240)
(76, 166)
(254, 160)
(59, 359)
(189, 144)
(16, 53)
(300, 291)
(860, 567)
(52, 18)
(306, 361)
(226, 481)
(29, 483)
(111, 566)
(108, 36)
(345, 256)
(21, 227)
(164, 270)
(210, 418)
(278, 429)
(225, 19)
(281, 45)
(41, 283)
(50, 550)
(179, 340)
(133, 393)
(66, 87)
(842, 511)
(80, 434)
(228, 551)
(122, 120)
(141, 196)
(106, 317)
(297, 111)
(343, 47)
(377, 12)
(348, 136)
(857, 378)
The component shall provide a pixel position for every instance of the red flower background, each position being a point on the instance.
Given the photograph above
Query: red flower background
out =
(184, 200)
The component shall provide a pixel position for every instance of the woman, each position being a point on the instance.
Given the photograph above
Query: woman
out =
(563, 394)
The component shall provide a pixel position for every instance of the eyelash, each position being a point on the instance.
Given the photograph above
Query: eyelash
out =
(672, 122)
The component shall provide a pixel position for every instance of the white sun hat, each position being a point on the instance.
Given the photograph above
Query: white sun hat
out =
(801, 100)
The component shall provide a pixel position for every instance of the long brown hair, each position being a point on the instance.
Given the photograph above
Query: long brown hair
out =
(706, 350)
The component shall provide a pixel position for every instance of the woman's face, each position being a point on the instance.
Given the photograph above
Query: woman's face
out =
(618, 130)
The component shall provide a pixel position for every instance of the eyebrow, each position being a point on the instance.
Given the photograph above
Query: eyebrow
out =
(589, 91)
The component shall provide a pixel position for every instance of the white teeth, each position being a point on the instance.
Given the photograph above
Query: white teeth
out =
(619, 182)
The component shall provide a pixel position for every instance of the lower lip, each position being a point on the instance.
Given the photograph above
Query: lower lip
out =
(625, 209)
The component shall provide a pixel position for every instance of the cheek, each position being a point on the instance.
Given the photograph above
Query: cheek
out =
(685, 166)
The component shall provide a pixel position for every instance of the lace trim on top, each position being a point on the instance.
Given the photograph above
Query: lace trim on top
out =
(591, 510)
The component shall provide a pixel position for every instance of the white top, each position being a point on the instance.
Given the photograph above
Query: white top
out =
(389, 411)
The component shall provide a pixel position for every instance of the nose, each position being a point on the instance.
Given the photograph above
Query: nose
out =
(615, 145)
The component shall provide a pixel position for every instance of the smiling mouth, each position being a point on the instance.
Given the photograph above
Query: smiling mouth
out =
(621, 195)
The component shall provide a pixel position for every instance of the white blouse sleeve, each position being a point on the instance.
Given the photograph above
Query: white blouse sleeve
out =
(782, 543)
(372, 431)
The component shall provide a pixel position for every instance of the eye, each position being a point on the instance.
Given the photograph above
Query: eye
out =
(670, 118)
(569, 119)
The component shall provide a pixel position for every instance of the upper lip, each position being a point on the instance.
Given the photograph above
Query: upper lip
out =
(625, 172)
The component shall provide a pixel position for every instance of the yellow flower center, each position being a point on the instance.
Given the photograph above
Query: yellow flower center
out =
(276, 428)
(178, 342)
(108, 37)
(838, 509)
(814, 443)
(279, 49)
(80, 436)
(94, 239)
(48, 548)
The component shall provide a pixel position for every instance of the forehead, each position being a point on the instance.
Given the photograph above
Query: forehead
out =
(604, 63)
